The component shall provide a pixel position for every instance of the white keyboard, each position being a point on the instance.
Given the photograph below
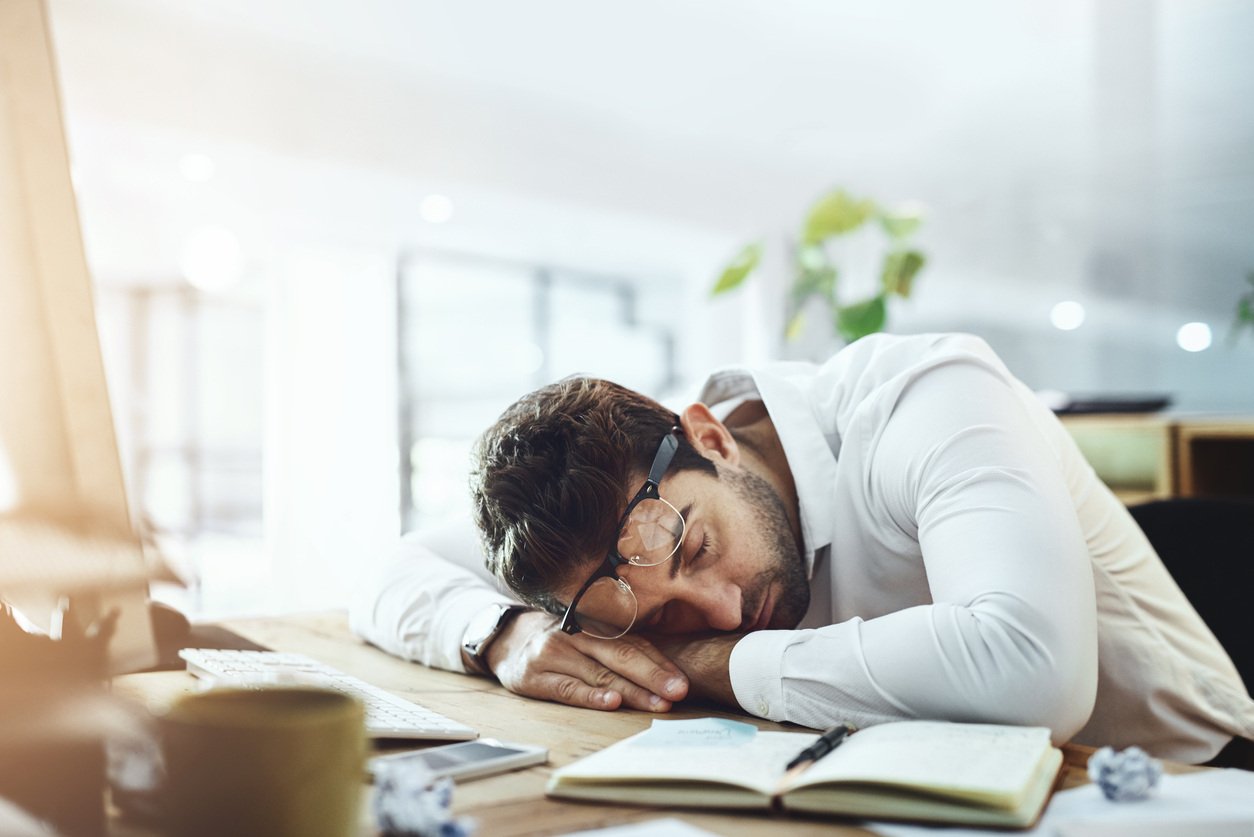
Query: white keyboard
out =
(387, 716)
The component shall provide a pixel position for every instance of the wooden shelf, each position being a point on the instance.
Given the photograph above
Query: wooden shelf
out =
(1215, 459)
(1150, 457)
(1134, 455)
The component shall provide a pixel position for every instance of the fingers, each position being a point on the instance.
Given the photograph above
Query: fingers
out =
(572, 691)
(545, 663)
(565, 675)
(648, 678)
(577, 679)
(632, 694)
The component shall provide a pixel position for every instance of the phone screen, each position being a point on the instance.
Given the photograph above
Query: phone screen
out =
(468, 753)
(466, 760)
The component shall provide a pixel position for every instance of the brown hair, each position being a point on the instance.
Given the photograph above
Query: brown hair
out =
(550, 479)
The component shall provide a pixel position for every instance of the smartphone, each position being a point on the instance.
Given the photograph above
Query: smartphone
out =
(468, 759)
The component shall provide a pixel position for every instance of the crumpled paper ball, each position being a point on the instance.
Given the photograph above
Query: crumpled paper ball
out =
(410, 801)
(1125, 775)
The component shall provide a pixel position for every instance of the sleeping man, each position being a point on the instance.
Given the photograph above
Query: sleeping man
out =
(902, 532)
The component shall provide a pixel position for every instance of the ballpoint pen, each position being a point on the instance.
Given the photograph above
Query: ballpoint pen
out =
(826, 742)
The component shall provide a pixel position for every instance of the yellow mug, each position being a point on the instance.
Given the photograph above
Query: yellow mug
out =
(275, 761)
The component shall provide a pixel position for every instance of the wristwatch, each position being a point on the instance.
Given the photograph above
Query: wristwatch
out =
(483, 631)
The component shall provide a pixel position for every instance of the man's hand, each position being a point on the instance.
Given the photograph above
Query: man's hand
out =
(532, 657)
(705, 659)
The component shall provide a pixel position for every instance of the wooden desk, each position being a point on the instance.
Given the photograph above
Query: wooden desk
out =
(511, 803)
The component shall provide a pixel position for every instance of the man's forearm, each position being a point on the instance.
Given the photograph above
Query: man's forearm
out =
(706, 662)
(417, 605)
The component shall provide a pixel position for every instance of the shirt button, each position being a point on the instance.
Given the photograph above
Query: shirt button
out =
(764, 708)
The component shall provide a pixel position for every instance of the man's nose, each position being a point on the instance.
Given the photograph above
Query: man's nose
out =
(718, 603)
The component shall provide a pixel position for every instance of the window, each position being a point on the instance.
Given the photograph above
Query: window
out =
(476, 333)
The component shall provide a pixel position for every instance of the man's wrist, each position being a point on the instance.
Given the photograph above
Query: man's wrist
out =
(712, 668)
(484, 630)
(706, 661)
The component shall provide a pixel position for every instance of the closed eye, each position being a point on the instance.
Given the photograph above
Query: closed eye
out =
(701, 551)
(684, 561)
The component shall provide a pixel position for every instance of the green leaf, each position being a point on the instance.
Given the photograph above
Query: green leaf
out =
(795, 326)
(1245, 313)
(821, 282)
(900, 268)
(738, 270)
(901, 223)
(834, 214)
(861, 319)
(1245, 316)
(811, 257)
(816, 275)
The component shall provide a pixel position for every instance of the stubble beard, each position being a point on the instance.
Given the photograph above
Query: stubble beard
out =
(786, 569)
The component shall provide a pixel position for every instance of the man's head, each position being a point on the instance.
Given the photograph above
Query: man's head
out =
(554, 475)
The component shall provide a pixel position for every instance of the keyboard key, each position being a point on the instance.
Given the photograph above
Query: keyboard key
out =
(387, 716)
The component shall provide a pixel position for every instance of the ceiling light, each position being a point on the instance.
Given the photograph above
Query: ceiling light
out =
(1194, 337)
(1067, 315)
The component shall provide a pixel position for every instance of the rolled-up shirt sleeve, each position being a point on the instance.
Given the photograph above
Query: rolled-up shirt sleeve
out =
(418, 603)
(1010, 635)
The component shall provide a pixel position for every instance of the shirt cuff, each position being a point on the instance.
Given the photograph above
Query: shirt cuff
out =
(450, 630)
(756, 669)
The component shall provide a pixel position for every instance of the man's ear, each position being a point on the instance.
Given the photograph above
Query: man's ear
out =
(708, 435)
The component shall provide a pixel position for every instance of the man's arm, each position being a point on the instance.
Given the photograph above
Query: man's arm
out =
(419, 604)
(705, 661)
(962, 472)
(534, 658)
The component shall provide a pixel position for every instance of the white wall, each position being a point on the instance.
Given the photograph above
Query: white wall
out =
(1095, 150)
(331, 504)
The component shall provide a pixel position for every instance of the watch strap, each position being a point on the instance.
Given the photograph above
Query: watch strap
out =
(475, 647)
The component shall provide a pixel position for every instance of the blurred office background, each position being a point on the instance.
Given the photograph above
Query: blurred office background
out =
(333, 239)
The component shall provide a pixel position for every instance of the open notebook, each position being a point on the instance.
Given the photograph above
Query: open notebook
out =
(975, 774)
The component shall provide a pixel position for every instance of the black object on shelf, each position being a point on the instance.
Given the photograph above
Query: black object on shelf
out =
(1096, 404)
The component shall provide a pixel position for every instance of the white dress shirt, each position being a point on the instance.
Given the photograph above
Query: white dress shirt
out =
(965, 563)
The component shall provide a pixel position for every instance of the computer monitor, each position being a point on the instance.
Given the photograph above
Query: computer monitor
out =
(67, 545)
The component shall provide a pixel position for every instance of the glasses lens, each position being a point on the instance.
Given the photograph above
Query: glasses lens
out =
(607, 609)
(652, 534)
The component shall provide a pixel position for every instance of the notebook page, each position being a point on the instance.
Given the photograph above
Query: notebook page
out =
(976, 757)
(756, 764)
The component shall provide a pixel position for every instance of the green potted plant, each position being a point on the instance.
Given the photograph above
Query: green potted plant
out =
(833, 216)
(1245, 310)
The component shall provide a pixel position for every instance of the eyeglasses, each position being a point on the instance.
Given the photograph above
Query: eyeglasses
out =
(649, 534)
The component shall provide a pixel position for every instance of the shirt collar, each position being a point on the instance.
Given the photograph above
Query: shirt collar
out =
(811, 454)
